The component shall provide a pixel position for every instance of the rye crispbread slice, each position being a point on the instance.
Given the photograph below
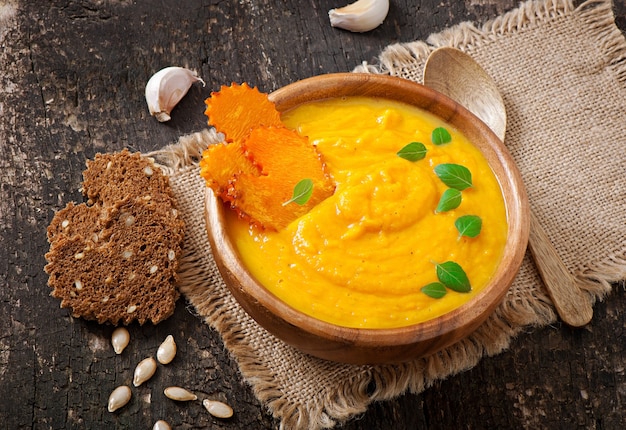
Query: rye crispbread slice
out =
(114, 258)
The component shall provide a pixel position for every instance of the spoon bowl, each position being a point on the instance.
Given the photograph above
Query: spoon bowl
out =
(456, 74)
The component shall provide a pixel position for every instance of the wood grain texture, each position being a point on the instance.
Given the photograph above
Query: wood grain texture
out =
(71, 84)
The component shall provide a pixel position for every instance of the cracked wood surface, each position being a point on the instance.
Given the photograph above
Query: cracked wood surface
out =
(72, 75)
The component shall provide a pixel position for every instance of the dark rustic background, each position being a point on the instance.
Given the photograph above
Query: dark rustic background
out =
(72, 76)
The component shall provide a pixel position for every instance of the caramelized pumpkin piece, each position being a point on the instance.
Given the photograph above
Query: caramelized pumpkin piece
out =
(221, 163)
(237, 109)
(257, 170)
(284, 159)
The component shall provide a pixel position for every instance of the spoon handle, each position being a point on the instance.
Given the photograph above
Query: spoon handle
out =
(572, 304)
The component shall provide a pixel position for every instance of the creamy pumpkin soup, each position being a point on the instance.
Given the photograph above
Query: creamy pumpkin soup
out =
(416, 225)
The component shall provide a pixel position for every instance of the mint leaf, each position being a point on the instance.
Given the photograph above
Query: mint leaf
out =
(450, 199)
(435, 290)
(301, 192)
(440, 136)
(469, 225)
(414, 151)
(454, 175)
(453, 276)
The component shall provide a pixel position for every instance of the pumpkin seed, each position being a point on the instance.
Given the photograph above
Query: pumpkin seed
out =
(180, 394)
(161, 425)
(218, 409)
(144, 371)
(167, 350)
(120, 339)
(119, 397)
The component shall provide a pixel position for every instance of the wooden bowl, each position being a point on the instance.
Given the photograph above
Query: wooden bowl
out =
(376, 346)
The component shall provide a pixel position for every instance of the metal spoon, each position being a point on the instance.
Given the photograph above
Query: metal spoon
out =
(456, 74)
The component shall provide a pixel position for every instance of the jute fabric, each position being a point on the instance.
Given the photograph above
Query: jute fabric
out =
(562, 73)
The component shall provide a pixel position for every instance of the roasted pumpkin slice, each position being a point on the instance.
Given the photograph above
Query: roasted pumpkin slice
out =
(235, 110)
(258, 168)
(284, 158)
(220, 164)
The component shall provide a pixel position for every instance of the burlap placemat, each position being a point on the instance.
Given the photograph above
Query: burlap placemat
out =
(562, 71)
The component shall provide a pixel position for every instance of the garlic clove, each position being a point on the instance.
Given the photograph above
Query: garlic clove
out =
(167, 350)
(360, 16)
(120, 339)
(166, 88)
(119, 397)
(144, 371)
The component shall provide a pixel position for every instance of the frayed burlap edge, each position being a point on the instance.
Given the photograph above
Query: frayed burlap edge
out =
(198, 273)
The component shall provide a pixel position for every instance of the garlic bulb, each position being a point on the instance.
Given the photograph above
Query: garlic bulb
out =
(166, 88)
(360, 16)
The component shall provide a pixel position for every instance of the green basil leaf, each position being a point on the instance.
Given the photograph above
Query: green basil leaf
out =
(454, 175)
(469, 225)
(453, 276)
(413, 151)
(440, 136)
(450, 199)
(301, 192)
(435, 290)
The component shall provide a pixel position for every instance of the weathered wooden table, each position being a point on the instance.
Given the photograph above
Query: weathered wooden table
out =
(72, 76)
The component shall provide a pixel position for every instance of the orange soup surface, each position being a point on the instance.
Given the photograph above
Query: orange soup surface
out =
(361, 257)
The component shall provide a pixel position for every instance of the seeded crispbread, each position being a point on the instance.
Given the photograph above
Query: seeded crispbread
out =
(75, 220)
(111, 177)
(114, 258)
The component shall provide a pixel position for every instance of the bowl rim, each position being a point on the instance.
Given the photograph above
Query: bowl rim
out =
(467, 316)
